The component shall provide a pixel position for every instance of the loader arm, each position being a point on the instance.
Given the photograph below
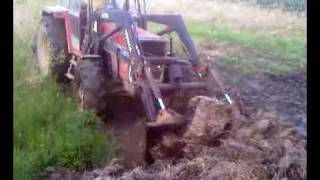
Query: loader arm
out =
(143, 78)
(175, 23)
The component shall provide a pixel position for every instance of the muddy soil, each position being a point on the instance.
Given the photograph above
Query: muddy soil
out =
(259, 146)
(126, 120)
(284, 96)
(269, 142)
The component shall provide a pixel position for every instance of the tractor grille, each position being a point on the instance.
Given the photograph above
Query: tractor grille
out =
(154, 47)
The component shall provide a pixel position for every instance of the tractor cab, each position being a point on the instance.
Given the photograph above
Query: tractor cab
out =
(92, 23)
(91, 17)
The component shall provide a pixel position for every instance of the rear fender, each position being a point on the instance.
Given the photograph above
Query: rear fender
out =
(60, 12)
(55, 11)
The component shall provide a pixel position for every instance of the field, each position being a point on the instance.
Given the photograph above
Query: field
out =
(260, 52)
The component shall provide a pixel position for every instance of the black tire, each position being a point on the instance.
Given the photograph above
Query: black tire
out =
(91, 87)
(51, 48)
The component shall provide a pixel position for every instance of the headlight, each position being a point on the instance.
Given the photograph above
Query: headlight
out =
(104, 15)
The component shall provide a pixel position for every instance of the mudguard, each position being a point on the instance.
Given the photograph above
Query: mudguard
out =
(56, 11)
(60, 12)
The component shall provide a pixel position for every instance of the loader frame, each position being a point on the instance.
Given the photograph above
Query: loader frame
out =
(130, 65)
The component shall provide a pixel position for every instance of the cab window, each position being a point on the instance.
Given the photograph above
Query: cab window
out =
(64, 3)
(75, 5)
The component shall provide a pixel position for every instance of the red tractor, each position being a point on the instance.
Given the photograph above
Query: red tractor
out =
(108, 52)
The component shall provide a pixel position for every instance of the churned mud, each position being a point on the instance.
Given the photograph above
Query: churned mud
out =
(268, 141)
(215, 146)
(126, 120)
(284, 96)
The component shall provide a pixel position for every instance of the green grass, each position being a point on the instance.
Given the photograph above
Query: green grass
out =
(49, 129)
(293, 48)
(274, 54)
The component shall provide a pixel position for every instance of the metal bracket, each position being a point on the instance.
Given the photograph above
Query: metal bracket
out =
(90, 56)
(73, 63)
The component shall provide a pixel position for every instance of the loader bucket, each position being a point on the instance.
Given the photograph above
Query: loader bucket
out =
(167, 120)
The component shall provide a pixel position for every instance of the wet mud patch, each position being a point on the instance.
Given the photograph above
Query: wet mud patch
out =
(285, 96)
(257, 147)
(125, 118)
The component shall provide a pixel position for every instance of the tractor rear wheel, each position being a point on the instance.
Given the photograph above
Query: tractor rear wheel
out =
(51, 48)
(90, 85)
(124, 115)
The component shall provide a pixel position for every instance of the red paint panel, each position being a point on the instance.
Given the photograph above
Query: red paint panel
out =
(59, 15)
(64, 15)
(107, 27)
(68, 35)
(123, 70)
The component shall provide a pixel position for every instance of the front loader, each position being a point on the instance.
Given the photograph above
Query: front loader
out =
(108, 51)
